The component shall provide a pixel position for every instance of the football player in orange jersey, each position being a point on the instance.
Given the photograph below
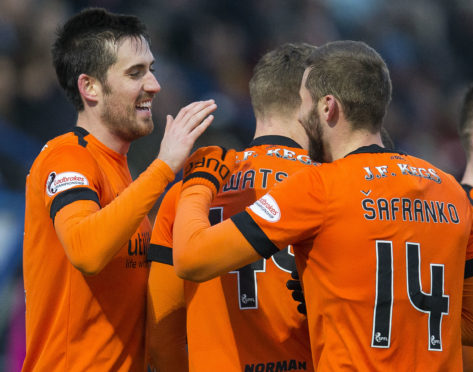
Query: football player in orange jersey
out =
(244, 320)
(86, 230)
(380, 237)
(465, 129)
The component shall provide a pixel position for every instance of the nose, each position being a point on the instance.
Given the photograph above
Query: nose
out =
(151, 84)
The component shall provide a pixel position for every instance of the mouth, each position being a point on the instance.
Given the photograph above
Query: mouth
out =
(144, 106)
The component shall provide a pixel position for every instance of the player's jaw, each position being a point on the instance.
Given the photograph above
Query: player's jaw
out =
(313, 128)
(129, 121)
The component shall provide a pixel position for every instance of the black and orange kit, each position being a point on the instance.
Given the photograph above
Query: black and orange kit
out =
(77, 322)
(244, 320)
(380, 241)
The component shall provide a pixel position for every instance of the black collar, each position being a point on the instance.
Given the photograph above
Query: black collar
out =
(274, 140)
(374, 149)
(80, 131)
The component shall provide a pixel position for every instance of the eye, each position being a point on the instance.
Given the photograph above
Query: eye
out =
(134, 73)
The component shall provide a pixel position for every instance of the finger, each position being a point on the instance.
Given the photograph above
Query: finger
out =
(298, 296)
(187, 112)
(302, 309)
(184, 110)
(169, 120)
(294, 285)
(195, 120)
(295, 275)
(198, 130)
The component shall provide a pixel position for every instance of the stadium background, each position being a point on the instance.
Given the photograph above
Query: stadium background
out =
(207, 49)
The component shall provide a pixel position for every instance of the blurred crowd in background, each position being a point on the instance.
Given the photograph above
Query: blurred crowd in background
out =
(207, 49)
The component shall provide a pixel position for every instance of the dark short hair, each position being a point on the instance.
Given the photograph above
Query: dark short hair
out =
(465, 125)
(87, 43)
(276, 80)
(357, 76)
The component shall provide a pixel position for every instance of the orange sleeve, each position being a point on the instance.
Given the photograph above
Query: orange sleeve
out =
(92, 236)
(202, 252)
(166, 348)
(166, 320)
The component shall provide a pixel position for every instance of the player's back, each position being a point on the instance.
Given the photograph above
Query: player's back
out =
(384, 276)
(246, 320)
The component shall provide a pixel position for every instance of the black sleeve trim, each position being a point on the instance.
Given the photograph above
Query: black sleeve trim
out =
(469, 269)
(69, 196)
(160, 253)
(255, 236)
(204, 175)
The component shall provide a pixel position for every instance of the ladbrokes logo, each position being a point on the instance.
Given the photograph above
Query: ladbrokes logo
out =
(267, 208)
(63, 181)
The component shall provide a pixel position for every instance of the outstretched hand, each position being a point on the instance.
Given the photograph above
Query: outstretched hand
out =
(182, 131)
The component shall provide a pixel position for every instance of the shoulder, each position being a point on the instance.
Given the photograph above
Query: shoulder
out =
(64, 154)
(62, 145)
(267, 153)
(425, 169)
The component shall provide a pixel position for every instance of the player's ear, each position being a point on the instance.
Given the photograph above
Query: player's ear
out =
(330, 108)
(88, 87)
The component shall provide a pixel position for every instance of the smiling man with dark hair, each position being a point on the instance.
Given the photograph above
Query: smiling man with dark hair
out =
(86, 230)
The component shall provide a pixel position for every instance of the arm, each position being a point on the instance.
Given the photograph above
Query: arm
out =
(202, 252)
(92, 236)
(166, 311)
(166, 320)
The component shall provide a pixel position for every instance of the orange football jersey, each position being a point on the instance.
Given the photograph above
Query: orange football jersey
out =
(245, 320)
(380, 240)
(76, 322)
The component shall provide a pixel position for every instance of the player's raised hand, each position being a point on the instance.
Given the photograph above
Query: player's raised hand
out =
(210, 166)
(182, 131)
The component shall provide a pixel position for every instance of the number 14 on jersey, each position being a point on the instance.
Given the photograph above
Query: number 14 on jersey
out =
(435, 304)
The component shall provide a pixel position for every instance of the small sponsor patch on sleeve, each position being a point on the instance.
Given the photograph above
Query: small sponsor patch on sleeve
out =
(63, 181)
(267, 208)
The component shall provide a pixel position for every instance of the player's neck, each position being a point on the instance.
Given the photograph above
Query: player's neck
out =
(279, 126)
(342, 145)
(100, 131)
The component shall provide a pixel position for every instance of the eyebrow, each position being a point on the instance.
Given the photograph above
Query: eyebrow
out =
(139, 66)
